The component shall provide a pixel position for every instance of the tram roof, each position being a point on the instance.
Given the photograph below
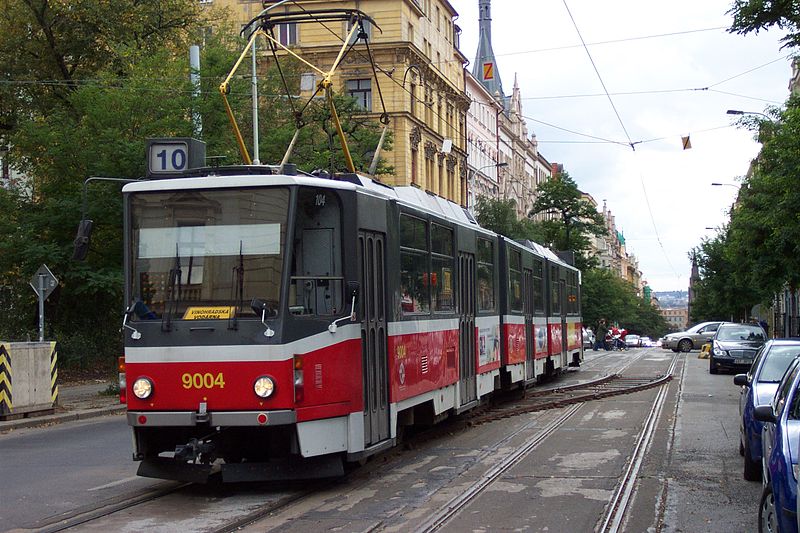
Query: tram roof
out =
(409, 196)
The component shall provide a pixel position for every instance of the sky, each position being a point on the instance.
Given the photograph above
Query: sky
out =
(673, 71)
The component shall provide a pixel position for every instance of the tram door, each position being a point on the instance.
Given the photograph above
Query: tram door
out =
(371, 254)
(527, 286)
(562, 297)
(466, 328)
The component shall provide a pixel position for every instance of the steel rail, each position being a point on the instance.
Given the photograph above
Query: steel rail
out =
(80, 517)
(455, 505)
(617, 507)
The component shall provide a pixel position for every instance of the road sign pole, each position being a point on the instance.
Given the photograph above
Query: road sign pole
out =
(41, 307)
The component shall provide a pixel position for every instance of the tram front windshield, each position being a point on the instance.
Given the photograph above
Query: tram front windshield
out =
(206, 254)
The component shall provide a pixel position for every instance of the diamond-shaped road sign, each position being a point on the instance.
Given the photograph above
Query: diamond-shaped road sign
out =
(49, 281)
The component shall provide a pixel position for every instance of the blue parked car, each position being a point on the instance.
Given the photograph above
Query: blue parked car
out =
(778, 508)
(758, 388)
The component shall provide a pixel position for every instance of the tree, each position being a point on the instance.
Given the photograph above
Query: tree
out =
(722, 293)
(93, 120)
(756, 15)
(605, 295)
(577, 218)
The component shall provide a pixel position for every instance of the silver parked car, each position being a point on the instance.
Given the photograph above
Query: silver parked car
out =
(692, 338)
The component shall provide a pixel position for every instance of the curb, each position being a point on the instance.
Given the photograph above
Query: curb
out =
(79, 414)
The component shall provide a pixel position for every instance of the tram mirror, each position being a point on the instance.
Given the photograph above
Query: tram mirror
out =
(352, 290)
(82, 239)
(261, 307)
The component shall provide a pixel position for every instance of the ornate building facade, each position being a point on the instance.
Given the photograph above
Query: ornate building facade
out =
(421, 78)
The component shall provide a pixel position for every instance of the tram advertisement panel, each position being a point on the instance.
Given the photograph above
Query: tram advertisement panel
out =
(540, 336)
(488, 343)
(574, 335)
(555, 331)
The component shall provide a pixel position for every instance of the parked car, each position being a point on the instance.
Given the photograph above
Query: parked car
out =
(758, 388)
(781, 418)
(647, 342)
(692, 338)
(734, 346)
(633, 341)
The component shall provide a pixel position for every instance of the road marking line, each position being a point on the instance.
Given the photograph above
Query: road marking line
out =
(113, 483)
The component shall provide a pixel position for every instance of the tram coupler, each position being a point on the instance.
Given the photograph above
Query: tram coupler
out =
(194, 450)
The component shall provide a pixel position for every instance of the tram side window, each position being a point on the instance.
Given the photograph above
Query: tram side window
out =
(317, 281)
(572, 293)
(538, 287)
(485, 275)
(555, 301)
(442, 272)
(515, 280)
(414, 270)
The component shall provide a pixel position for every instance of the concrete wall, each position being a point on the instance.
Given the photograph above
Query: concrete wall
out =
(28, 376)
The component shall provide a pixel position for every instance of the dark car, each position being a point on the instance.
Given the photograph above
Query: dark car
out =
(758, 388)
(781, 417)
(734, 346)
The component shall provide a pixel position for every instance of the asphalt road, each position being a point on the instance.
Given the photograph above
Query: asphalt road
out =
(690, 481)
(54, 470)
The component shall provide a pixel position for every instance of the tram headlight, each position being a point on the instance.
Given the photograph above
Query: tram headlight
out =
(142, 388)
(264, 387)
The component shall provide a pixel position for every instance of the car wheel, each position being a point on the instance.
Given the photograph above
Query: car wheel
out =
(767, 521)
(752, 469)
(712, 367)
(685, 345)
(675, 350)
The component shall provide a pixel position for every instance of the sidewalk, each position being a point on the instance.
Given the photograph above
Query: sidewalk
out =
(76, 401)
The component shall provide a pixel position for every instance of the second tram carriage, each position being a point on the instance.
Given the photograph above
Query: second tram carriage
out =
(289, 323)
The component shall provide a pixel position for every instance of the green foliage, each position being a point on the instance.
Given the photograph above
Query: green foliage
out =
(756, 15)
(577, 218)
(759, 254)
(605, 295)
(94, 81)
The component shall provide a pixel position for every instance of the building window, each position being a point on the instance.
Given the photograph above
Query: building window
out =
(287, 34)
(361, 90)
(413, 166)
(410, 32)
(367, 30)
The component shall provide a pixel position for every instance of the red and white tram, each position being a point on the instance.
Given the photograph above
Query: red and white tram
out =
(281, 324)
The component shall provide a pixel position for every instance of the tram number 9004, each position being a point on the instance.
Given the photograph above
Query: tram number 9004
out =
(202, 381)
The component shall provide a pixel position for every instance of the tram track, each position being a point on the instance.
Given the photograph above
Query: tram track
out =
(86, 514)
(568, 397)
(614, 517)
(576, 396)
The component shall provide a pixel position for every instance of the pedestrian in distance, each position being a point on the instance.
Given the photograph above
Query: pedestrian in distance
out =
(600, 332)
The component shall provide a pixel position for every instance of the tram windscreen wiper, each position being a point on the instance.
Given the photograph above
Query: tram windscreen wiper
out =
(238, 272)
(173, 300)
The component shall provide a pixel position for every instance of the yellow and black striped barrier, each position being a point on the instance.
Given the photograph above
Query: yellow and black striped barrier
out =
(54, 372)
(6, 404)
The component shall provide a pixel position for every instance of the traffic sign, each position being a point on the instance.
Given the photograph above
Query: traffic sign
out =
(49, 282)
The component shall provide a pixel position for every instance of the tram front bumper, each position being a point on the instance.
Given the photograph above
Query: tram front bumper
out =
(219, 418)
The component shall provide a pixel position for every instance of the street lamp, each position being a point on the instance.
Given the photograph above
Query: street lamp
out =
(738, 112)
(726, 185)
(475, 172)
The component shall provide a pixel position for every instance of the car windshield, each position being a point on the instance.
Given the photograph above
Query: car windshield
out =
(776, 362)
(743, 332)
